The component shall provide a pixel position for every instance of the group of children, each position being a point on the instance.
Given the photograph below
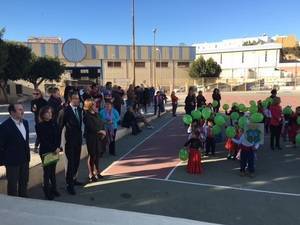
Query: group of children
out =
(202, 138)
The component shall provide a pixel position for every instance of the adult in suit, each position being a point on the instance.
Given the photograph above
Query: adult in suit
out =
(70, 118)
(14, 150)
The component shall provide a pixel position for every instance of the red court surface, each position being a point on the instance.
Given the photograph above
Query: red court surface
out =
(156, 156)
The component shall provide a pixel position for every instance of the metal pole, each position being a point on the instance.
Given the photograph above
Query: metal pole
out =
(133, 42)
(154, 58)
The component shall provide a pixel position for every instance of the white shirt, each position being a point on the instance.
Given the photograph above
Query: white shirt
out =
(244, 142)
(21, 127)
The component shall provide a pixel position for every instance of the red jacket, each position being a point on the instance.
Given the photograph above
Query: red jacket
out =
(276, 113)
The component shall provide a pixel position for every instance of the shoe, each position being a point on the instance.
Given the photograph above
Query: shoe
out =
(92, 179)
(48, 194)
(55, 193)
(77, 183)
(36, 150)
(242, 174)
(99, 176)
(70, 190)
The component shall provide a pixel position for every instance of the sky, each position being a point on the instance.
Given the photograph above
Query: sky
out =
(177, 21)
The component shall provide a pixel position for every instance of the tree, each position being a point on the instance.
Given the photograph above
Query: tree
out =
(17, 60)
(3, 52)
(44, 68)
(204, 69)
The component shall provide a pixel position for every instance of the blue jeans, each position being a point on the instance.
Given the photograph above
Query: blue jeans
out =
(247, 158)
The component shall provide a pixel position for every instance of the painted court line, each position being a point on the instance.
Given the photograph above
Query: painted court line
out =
(133, 148)
(172, 171)
(214, 186)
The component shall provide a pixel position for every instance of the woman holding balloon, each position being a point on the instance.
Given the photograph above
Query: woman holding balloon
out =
(216, 96)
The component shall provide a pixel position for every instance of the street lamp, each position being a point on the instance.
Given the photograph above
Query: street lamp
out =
(154, 57)
(133, 42)
(160, 65)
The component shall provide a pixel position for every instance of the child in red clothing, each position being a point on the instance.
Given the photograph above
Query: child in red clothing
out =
(232, 147)
(293, 127)
(194, 163)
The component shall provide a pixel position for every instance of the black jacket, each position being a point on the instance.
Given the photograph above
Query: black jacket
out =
(56, 105)
(201, 101)
(39, 103)
(14, 149)
(128, 119)
(48, 135)
(67, 119)
(92, 125)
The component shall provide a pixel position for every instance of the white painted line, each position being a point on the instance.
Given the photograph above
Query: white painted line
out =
(234, 188)
(172, 171)
(214, 186)
(132, 149)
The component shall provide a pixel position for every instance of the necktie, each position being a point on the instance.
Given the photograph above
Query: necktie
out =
(76, 114)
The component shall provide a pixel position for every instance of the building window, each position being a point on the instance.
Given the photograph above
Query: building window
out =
(8, 89)
(19, 89)
(183, 64)
(266, 56)
(243, 57)
(114, 64)
(140, 64)
(162, 64)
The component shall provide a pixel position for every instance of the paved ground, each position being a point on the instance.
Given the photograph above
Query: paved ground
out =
(146, 180)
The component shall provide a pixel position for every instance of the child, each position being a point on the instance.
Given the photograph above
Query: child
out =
(192, 128)
(293, 127)
(174, 100)
(210, 142)
(232, 147)
(247, 155)
(194, 163)
(267, 118)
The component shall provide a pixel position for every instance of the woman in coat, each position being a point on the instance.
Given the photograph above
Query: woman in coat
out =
(95, 138)
(190, 102)
(48, 134)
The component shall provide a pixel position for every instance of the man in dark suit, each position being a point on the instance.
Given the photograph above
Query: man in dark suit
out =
(70, 118)
(14, 150)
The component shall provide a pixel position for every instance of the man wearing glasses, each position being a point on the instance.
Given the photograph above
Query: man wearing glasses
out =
(37, 103)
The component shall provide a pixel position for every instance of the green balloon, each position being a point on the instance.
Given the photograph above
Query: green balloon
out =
(215, 103)
(269, 100)
(230, 132)
(243, 122)
(196, 114)
(235, 104)
(200, 108)
(253, 109)
(298, 120)
(216, 130)
(257, 117)
(287, 111)
(225, 107)
(234, 116)
(219, 120)
(206, 112)
(265, 104)
(252, 102)
(242, 107)
(187, 119)
(183, 154)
